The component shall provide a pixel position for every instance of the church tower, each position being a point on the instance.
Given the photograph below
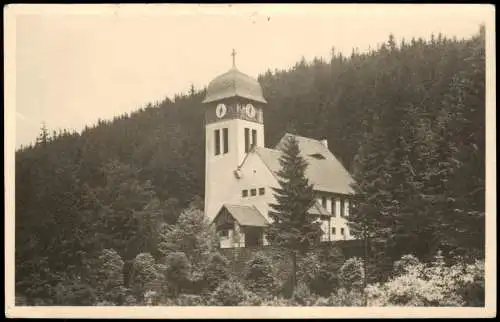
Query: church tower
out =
(234, 123)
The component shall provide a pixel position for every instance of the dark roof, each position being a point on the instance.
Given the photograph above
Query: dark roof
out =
(326, 174)
(234, 83)
(246, 215)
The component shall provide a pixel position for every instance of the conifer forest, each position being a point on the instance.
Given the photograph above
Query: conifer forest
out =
(113, 215)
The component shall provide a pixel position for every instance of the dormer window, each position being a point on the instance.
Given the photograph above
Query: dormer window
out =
(317, 156)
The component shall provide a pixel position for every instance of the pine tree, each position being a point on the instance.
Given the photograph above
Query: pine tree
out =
(366, 219)
(292, 227)
(44, 137)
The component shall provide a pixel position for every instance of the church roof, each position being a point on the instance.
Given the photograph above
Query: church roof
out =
(246, 215)
(324, 171)
(234, 83)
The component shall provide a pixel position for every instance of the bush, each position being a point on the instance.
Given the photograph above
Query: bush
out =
(406, 263)
(302, 296)
(151, 297)
(144, 274)
(259, 277)
(276, 301)
(326, 279)
(130, 300)
(108, 277)
(322, 301)
(189, 300)
(308, 268)
(471, 285)
(252, 299)
(177, 271)
(216, 271)
(71, 291)
(105, 303)
(351, 274)
(352, 297)
(433, 284)
(229, 293)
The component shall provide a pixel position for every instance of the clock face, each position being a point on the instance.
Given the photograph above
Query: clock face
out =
(250, 110)
(221, 110)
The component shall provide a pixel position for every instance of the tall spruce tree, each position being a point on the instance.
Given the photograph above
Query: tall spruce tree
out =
(293, 228)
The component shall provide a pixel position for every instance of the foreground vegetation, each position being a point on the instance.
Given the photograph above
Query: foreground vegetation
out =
(192, 272)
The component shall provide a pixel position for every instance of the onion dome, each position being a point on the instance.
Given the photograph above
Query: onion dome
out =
(234, 83)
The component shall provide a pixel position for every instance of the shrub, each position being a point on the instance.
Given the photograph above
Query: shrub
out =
(216, 271)
(276, 301)
(105, 303)
(252, 299)
(326, 280)
(259, 277)
(308, 268)
(352, 297)
(471, 284)
(406, 263)
(151, 297)
(177, 271)
(71, 291)
(189, 300)
(322, 301)
(228, 293)
(302, 296)
(108, 277)
(130, 300)
(351, 274)
(342, 297)
(144, 273)
(433, 284)
(191, 235)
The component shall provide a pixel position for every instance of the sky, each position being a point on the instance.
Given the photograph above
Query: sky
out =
(75, 64)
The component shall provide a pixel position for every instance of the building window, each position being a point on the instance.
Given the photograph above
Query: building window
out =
(254, 137)
(253, 192)
(334, 231)
(224, 233)
(225, 138)
(244, 193)
(217, 142)
(323, 202)
(247, 140)
(342, 208)
(342, 231)
(262, 191)
(334, 207)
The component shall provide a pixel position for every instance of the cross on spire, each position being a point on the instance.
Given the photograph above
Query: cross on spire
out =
(234, 57)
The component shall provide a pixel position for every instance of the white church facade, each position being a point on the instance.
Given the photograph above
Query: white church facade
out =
(240, 171)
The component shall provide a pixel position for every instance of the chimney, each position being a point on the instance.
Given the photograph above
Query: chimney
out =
(325, 143)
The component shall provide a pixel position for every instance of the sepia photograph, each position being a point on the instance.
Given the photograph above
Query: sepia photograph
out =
(250, 160)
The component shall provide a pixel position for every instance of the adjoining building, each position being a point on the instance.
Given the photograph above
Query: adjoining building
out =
(240, 170)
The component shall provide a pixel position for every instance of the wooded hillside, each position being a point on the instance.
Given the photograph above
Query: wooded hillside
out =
(407, 119)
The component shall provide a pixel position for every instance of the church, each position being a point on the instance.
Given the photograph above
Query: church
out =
(240, 170)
